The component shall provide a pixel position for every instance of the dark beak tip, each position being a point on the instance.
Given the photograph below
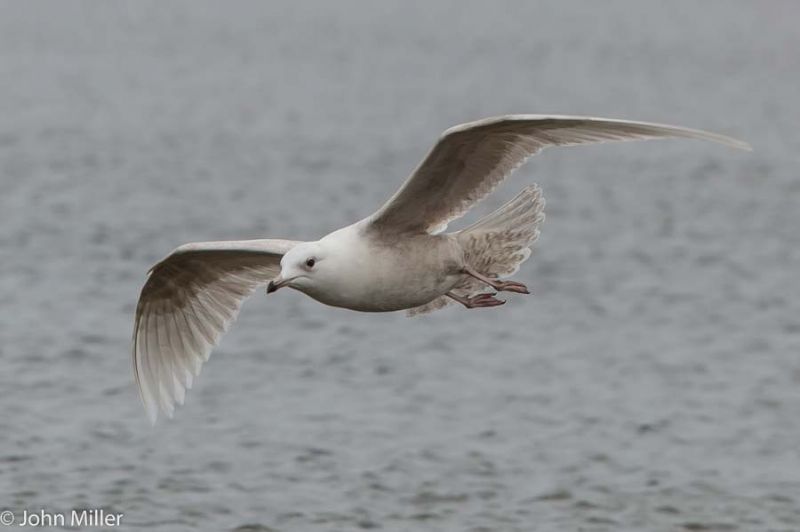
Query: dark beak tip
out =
(271, 287)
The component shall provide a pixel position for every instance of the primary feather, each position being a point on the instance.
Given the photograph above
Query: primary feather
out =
(187, 302)
(471, 159)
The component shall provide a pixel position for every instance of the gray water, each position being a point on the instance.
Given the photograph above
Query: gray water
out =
(652, 382)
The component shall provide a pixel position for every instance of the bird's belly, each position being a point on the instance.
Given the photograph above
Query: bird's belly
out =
(382, 295)
(377, 277)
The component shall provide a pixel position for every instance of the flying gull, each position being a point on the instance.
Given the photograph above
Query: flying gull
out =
(398, 258)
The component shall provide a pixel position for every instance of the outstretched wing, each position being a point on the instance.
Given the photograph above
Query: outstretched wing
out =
(186, 304)
(471, 159)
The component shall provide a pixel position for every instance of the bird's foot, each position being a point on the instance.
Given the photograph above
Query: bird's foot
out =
(511, 286)
(497, 284)
(478, 301)
(484, 300)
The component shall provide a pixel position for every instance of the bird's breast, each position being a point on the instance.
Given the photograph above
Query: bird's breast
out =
(383, 277)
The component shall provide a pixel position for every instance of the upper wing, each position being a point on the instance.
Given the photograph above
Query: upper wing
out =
(186, 304)
(471, 159)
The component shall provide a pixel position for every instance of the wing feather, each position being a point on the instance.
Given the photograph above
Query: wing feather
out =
(186, 304)
(471, 159)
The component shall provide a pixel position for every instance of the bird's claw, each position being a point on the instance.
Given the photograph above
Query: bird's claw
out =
(484, 301)
(511, 286)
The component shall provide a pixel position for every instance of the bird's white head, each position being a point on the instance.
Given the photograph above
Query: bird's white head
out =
(300, 267)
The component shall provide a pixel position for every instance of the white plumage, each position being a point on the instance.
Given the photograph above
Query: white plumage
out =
(395, 259)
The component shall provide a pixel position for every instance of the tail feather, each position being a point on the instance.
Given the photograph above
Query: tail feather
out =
(497, 245)
(528, 203)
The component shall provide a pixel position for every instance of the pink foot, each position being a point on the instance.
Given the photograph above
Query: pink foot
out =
(483, 301)
(511, 286)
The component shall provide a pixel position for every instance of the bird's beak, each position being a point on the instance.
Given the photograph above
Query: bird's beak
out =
(278, 282)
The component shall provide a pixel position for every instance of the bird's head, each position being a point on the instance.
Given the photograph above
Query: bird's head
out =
(300, 267)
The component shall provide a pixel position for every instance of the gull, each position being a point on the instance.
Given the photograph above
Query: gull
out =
(398, 258)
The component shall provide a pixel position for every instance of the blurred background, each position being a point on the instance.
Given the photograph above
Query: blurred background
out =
(652, 382)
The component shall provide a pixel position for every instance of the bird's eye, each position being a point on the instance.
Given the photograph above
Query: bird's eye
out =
(310, 263)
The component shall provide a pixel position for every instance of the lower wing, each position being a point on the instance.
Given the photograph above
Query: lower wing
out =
(186, 304)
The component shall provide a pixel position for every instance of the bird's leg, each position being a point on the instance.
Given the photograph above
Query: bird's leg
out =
(497, 284)
(479, 301)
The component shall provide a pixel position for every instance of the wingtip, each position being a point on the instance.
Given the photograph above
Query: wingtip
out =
(152, 415)
(152, 412)
(733, 142)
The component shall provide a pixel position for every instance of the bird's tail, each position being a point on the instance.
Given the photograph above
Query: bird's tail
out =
(496, 245)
